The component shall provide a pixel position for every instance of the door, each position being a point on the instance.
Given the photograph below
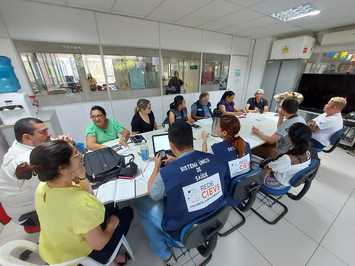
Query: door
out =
(271, 74)
(237, 78)
(288, 77)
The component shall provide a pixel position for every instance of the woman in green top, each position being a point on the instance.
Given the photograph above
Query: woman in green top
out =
(73, 222)
(104, 129)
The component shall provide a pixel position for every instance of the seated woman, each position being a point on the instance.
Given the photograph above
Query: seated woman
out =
(73, 222)
(226, 104)
(233, 149)
(280, 171)
(178, 111)
(103, 129)
(143, 119)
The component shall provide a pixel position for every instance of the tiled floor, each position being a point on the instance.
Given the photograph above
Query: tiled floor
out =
(319, 230)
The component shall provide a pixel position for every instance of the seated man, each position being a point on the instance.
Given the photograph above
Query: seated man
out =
(17, 196)
(202, 108)
(257, 103)
(278, 143)
(188, 187)
(326, 124)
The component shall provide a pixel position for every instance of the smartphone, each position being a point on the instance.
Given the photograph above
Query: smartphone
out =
(137, 139)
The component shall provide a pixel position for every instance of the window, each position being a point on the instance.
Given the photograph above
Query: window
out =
(181, 71)
(56, 70)
(131, 69)
(214, 72)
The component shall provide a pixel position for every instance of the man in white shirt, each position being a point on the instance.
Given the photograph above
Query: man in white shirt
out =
(326, 124)
(17, 196)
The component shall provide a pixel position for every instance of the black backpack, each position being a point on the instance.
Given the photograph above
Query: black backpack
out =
(105, 164)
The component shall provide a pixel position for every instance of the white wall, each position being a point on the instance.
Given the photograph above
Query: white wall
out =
(216, 43)
(241, 46)
(118, 30)
(180, 38)
(260, 56)
(42, 22)
(3, 32)
(33, 21)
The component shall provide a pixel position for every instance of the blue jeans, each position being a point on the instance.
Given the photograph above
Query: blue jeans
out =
(151, 213)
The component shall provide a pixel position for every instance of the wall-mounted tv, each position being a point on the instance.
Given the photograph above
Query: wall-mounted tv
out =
(317, 89)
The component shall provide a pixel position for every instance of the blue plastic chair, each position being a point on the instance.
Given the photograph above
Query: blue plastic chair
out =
(202, 234)
(304, 177)
(334, 140)
(242, 194)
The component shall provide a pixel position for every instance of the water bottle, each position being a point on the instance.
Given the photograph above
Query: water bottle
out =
(144, 151)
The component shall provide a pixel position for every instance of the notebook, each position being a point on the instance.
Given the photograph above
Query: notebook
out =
(116, 190)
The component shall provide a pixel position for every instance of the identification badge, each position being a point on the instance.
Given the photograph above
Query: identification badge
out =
(201, 194)
(239, 166)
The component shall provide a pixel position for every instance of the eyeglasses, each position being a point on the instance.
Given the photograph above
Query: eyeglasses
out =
(97, 116)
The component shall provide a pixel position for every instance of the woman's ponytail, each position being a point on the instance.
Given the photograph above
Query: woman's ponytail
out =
(231, 125)
(239, 145)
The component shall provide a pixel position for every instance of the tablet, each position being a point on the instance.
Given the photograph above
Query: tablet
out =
(161, 143)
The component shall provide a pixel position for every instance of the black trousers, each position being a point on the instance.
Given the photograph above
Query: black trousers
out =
(125, 215)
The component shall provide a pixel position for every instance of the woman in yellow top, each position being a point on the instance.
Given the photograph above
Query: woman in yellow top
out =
(73, 222)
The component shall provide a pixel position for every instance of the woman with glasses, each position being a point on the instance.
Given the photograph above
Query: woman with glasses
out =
(103, 129)
(74, 223)
(143, 119)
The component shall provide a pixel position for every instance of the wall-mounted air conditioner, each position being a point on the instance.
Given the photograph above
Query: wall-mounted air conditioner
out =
(292, 48)
(338, 37)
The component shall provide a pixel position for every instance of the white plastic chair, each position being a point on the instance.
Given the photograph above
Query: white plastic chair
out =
(8, 259)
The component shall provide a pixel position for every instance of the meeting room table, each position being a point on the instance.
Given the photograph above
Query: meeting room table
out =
(125, 189)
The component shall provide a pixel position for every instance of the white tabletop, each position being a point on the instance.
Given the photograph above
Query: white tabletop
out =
(138, 187)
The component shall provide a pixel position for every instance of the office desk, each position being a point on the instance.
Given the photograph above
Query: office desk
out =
(128, 189)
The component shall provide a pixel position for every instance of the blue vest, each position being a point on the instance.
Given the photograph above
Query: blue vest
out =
(201, 111)
(235, 165)
(194, 187)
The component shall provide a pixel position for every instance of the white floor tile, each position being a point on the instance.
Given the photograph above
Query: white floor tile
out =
(310, 218)
(236, 250)
(326, 193)
(282, 244)
(348, 213)
(324, 257)
(340, 240)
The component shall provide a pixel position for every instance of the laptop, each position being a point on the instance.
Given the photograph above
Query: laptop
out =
(161, 143)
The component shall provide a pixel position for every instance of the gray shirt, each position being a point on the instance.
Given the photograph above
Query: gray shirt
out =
(158, 188)
(283, 145)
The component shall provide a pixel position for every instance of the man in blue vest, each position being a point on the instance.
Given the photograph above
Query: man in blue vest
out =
(189, 187)
(202, 108)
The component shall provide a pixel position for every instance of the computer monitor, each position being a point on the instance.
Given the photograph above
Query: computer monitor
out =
(161, 143)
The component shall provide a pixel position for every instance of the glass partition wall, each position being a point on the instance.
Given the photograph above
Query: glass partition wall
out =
(62, 73)
(214, 72)
(184, 65)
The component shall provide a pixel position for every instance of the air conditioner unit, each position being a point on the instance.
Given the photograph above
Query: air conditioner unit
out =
(338, 37)
(292, 48)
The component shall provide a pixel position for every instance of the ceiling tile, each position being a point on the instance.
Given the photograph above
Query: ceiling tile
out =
(333, 14)
(135, 7)
(246, 3)
(216, 9)
(105, 5)
(268, 7)
(240, 17)
(172, 10)
(54, 1)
